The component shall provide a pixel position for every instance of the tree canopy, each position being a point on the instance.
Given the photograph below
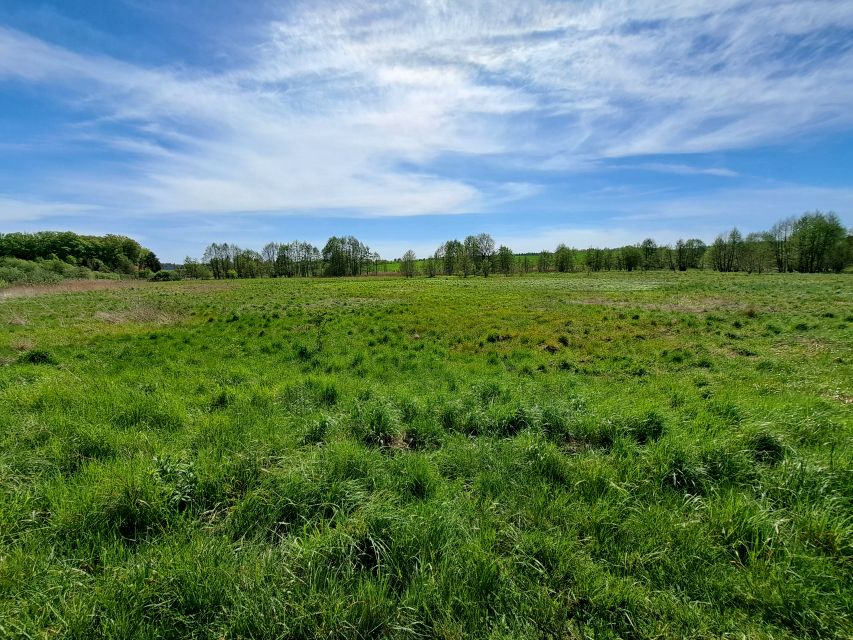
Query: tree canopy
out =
(99, 253)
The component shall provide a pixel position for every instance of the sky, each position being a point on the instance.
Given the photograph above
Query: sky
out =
(407, 123)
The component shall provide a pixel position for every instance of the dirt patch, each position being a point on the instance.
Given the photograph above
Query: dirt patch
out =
(68, 286)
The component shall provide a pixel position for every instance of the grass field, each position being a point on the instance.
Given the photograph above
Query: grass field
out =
(659, 455)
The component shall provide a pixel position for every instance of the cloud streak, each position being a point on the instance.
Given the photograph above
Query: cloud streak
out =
(349, 108)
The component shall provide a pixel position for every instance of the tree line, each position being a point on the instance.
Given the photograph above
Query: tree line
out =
(813, 243)
(109, 253)
(341, 256)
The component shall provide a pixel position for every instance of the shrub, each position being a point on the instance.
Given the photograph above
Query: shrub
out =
(15, 271)
(165, 276)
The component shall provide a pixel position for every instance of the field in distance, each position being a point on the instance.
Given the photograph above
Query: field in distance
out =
(641, 455)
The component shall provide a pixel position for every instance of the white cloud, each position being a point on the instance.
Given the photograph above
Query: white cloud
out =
(683, 169)
(347, 106)
(18, 210)
(755, 208)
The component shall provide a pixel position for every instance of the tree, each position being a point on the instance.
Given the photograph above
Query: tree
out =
(756, 253)
(727, 251)
(543, 261)
(505, 260)
(407, 264)
(218, 258)
(269, 255)
(451, 256)
(649, 249)
(247, 263)
(695, 251)
(814, 238)
(842, 254)
(345, 256)
(632, 258)
(194, 269)
(109, 252)
(681, 255)
(564, 259)
(124, 265)
(485, 253)
(430, 267)
(468, 259)
(150, 261)
(779, 238)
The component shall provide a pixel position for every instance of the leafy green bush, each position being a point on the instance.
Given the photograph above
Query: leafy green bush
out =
(16, 271)
(165, 276)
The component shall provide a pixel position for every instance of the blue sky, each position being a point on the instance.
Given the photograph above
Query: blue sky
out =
(408, 123)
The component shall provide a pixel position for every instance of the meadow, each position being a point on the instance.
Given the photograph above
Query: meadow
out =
(611, 455)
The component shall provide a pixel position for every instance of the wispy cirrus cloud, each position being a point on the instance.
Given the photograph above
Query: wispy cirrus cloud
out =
(683, 169)
(16, 210)
(350, 107)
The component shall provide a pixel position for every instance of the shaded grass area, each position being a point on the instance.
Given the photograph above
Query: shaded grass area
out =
(616, 455)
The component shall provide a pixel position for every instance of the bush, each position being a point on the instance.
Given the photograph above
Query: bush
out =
(16, 271)
(165, 276)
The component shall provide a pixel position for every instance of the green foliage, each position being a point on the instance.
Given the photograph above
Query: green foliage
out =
(165, 276)
(407, 264)
(98, 253)
(15, 271)
(554, 455)
(37, 356)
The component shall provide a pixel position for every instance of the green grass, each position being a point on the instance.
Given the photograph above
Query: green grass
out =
(559, 456)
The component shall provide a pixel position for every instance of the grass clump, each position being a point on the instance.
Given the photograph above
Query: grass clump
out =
(646, 427)
(766, 447)
(37, 356)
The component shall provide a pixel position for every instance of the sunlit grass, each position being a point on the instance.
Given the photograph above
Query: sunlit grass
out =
(607, 455)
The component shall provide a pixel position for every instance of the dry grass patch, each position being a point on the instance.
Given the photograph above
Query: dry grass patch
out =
(67, 286)
(22, 344)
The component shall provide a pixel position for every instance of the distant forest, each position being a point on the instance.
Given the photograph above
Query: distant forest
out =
(813, 243)
(50, 256)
